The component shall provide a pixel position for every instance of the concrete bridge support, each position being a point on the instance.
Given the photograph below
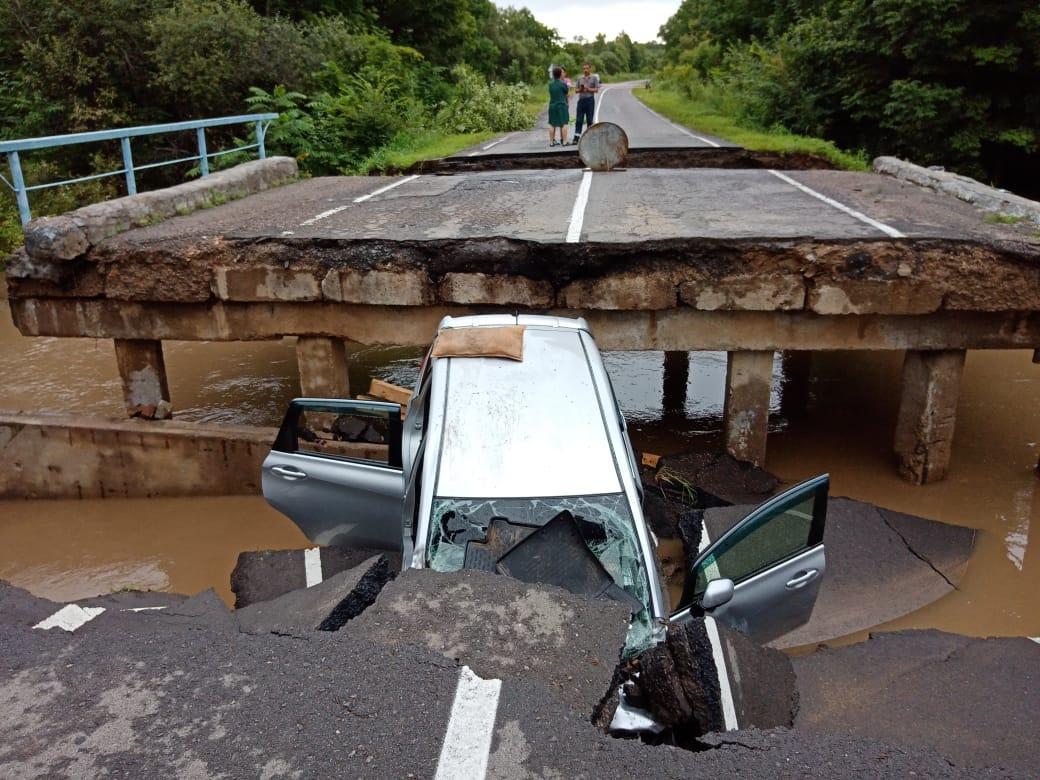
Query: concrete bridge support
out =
(323, 367)
(749, 380)
(142, 368)
(928, 413)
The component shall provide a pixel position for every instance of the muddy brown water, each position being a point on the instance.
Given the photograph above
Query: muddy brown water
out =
(842, 423)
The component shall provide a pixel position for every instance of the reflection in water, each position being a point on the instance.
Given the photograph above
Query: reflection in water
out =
(837, 415)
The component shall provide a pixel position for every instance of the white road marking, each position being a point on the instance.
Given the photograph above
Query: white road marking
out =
(599, 105)
(729, 712)
(578, 212)
(493, 143)
(312, 566)
(889, 231)
(677, 126)
(467, 741)
(140, 609)
(70, 617)
(1035, 639)
(360, 199)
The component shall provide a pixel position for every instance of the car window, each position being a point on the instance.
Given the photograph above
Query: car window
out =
(773, 538)
(355, 434)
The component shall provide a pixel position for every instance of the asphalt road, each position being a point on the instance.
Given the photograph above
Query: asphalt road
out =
(182, 692)
(646, 129)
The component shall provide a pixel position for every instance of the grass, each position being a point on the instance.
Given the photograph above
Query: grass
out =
(706, 114)
(1003, 219)
(406, 150)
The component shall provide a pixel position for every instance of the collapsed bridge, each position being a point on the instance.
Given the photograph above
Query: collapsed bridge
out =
(746, 261)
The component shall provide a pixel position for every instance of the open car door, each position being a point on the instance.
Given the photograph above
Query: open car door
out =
(763, 575)
(335, 471)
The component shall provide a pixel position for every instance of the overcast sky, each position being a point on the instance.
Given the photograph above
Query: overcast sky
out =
(586, 18)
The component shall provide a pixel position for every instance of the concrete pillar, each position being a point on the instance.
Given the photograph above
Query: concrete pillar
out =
(143, 371)
(749, 379)
(676, 377)
(927, 413)
(323, 367)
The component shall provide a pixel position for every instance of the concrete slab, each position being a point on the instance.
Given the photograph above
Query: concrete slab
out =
(263, 575)
(972, 700)
(880, 565)
(500, 627)
(325, 607)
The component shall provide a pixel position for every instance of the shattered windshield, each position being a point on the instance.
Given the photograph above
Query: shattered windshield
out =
(480, 533)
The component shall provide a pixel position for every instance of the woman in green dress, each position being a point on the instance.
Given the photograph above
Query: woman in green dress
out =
(558, 113)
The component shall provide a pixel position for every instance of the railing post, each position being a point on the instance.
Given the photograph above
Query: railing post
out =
(18, 181)
(261, 131)
(128, 166)
(200, 133)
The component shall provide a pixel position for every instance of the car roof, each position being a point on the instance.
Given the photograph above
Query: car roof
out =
(525, 429)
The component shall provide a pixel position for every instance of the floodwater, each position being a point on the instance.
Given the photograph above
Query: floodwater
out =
(835, 415)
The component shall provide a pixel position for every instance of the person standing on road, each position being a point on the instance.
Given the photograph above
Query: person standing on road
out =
(559, 116)
(588, 86)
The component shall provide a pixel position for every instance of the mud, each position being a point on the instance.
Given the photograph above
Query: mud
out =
(724, 157)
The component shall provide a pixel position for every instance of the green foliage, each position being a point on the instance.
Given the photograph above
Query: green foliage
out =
(476, 106)
(714, 112)
(949, 82)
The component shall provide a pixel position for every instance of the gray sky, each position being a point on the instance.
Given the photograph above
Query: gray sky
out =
(587, 18)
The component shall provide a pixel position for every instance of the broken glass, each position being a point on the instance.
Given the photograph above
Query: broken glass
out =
(605, 522)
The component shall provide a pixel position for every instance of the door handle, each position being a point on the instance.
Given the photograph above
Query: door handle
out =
(288, 472)
(803, 579)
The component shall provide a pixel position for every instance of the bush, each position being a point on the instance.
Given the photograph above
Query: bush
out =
(476, 106)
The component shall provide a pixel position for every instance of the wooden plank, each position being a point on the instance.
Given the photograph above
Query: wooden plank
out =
(384, 391)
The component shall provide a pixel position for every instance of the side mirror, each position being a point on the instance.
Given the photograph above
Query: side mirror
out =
(717, 593)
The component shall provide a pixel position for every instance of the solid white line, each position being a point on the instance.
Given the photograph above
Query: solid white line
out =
(578, 212)
(312, 566)
(729, 712)
(677, 126)
(361, 199)
(467, 741)
(70, 617)
(599, 105)
(890, 231)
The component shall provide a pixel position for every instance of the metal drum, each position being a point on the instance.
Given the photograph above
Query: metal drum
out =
(603, 147)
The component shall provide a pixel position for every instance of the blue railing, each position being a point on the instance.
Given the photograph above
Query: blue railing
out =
(21, 192)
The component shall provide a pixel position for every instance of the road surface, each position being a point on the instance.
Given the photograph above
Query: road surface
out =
(615, 103)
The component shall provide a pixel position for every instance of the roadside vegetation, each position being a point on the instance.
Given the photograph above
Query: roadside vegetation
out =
(701, 106)
(939, 82)
(360, 86)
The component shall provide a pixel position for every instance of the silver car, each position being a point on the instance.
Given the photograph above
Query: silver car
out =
(525, 468)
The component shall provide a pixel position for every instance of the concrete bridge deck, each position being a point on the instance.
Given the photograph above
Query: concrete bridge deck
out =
(748, 261)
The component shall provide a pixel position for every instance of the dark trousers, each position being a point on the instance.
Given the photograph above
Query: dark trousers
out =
(586, 108)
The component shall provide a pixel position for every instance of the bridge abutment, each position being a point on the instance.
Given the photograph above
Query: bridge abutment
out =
(749, 380)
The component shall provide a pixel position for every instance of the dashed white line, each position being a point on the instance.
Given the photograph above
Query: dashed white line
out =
(729, 712)
(70, 617)
(140, 609)
(889, 231)
(711, 571)
(493, 143)
(1035, 639)
(578, 212)
(680, 128)
(312, 566)
(467, 741)
(360, 199)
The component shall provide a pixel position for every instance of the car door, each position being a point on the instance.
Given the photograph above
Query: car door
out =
(766, 569)
(335, 471)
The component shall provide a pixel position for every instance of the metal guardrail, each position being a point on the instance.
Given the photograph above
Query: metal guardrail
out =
(21, 191)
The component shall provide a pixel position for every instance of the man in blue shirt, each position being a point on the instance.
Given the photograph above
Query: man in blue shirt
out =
(588, 86)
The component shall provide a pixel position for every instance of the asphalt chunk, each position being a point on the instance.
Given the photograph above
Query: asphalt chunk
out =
(501, 627)
(325, 607)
